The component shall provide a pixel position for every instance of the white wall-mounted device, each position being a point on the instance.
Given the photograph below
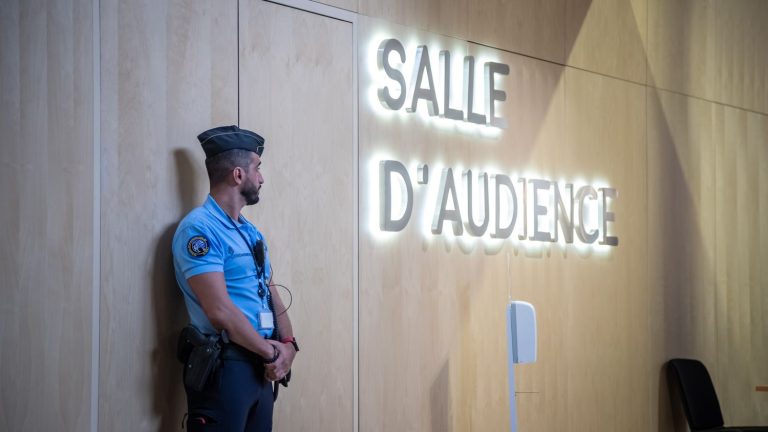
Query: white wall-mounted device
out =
(521, 343)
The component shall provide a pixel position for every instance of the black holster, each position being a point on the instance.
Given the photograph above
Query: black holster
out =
(200, 355)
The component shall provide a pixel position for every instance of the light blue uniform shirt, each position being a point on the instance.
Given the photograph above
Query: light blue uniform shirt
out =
(207, 241)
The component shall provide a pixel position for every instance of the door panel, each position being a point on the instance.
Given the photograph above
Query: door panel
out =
(296, 90)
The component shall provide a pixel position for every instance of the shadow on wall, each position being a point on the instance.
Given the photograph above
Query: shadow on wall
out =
(670, 402)
(439, 401)
(681, 264)
(169, 402)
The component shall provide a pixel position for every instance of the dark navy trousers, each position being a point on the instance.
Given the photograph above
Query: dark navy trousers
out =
(236, 399)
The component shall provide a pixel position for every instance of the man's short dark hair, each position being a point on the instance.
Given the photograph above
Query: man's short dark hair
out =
(221, 165)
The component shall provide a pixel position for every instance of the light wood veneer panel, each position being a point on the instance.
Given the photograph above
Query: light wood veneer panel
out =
(682, 135)
(741, 255)
(168, 72)
(46, 121)
(740, 46)
(607, 36)
(350, 5)
(707, 168)
(681, 46)
(532, 27)
(605, 338)
(297, 91)
(710, 49)
(446, 17)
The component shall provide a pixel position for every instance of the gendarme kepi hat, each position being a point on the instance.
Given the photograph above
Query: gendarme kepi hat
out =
(223, 138)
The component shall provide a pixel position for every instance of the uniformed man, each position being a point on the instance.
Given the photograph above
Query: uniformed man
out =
(223, 269)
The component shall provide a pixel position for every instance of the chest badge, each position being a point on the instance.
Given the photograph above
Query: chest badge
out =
(197, 246)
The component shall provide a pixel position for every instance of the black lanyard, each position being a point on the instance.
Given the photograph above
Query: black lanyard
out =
(260, 271)
(259, 268)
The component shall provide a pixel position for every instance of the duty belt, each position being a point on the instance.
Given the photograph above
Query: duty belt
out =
(232, 351)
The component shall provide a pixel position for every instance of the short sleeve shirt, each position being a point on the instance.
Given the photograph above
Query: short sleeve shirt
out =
(209, 240)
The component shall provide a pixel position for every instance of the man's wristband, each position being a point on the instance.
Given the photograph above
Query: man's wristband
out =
(292, 341)
(274, 357)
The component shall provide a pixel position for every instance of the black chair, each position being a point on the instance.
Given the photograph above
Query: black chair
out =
(702, 409)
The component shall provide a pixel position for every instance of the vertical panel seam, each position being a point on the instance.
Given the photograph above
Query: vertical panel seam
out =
(96, 215)
(565, 33)
(716, 228)
(355, 235)
(237, 26)
(648, 281)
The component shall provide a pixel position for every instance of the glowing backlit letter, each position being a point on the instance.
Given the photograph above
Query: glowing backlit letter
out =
(415, 92)
(447, 190)
(584, 193)
(382, 58)
(608, 217)
(473, 228)
(386, 169)
(539, 210)
(469, 92)
(563, 217)
(492, 95)
(505, 232)
(445, 66)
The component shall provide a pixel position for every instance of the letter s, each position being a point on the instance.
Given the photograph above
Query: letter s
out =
(385, 96)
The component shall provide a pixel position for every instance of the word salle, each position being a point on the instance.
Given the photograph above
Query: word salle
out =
(409, 94)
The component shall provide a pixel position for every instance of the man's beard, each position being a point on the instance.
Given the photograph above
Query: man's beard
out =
(250, 192)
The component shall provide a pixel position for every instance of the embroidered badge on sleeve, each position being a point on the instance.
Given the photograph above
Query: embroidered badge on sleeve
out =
(197, 246)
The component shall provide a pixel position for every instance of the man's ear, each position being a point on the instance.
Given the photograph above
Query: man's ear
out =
(238, 175)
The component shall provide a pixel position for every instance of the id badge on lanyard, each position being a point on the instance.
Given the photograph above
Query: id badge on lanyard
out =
(266, 321)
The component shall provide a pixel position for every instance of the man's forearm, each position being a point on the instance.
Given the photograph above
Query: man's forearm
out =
(241, 332)
(211, 290)
(284, 324)
(281, 314)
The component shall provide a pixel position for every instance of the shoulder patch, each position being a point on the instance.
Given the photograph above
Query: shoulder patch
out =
(197, 246)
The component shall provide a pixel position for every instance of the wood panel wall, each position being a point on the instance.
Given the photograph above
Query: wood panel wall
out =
(681, 188)
(440, 304)
(46, 223)
(707, 145)
(710, 50)
(741, 306)
(685, 281)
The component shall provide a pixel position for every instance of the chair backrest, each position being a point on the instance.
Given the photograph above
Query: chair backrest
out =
(702, 409)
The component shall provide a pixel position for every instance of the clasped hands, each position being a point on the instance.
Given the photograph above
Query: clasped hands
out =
(279, 368)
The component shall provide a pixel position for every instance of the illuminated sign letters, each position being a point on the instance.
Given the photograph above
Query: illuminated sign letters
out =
(554, 208)
(422, 85)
